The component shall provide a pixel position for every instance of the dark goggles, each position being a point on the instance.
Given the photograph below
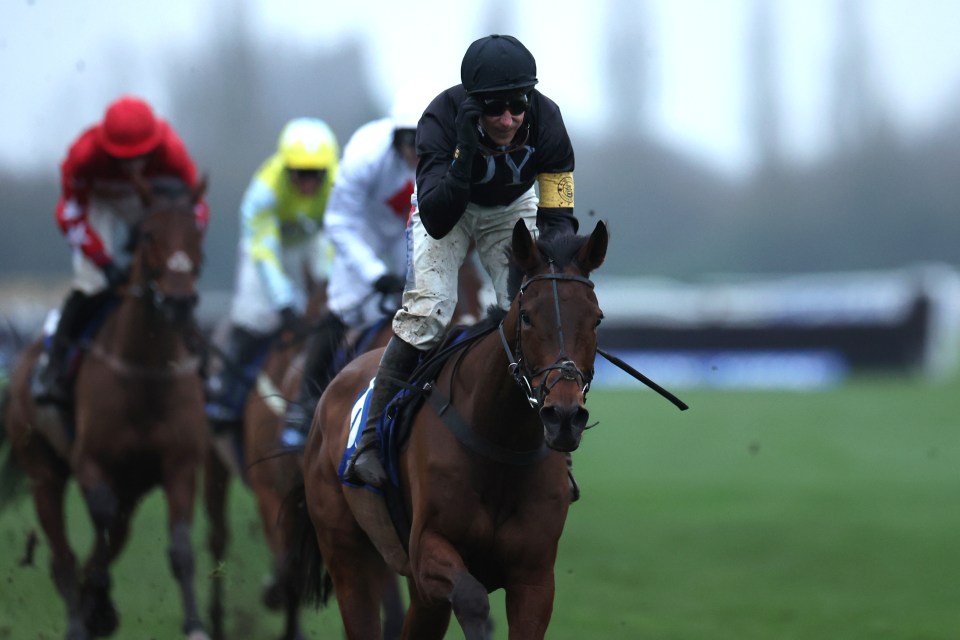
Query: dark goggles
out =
(514, 104)
(306, 174)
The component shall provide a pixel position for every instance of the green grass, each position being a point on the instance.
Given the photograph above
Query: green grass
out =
(772, 515)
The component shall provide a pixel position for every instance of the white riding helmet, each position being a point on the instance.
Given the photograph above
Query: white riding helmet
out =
(409, 104)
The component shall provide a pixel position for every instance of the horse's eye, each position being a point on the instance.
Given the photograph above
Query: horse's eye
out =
(525, 318)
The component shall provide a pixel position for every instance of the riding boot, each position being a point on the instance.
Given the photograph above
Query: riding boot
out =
(574, 487)
(227, 389)
(318, 370)
(49, 382)
(397, 363)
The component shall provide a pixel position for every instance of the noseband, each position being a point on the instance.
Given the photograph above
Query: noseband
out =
(568, 369)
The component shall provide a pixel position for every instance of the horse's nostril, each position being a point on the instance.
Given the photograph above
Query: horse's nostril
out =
(565, 417)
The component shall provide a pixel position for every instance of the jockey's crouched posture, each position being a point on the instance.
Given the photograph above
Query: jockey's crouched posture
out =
(97, 208)
(281, 242)
(365, 222)
(483, 145)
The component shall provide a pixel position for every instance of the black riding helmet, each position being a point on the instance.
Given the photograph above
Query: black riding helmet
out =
(497, 63)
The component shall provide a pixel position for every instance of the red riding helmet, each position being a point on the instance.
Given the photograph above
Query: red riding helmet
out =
(129, 128)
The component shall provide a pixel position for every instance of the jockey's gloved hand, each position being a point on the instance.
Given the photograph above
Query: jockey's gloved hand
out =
(389, 283)
(290, 320)
(468, 137)
(115, 275)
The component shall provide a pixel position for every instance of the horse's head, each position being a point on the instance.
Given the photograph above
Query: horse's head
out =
(557, 315)
(168, 250)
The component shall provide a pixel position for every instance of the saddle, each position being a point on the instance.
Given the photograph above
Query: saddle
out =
(88, 329)
(391, 537)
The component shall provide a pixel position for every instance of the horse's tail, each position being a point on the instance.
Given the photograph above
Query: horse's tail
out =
(305, 566)
(11, 474)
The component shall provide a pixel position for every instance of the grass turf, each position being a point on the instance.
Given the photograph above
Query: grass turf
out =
(767, 515)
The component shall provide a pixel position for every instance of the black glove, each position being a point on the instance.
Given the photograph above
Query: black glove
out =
(556, 220)
(389, 283)
(115, 275)
(290, 320)
(468, 137)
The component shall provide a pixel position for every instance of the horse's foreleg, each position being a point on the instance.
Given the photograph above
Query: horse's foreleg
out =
(216, 486)
(441, 576)
(180, 491)
(529, 606)
(99, 612)
(425, 620)
(48, 495)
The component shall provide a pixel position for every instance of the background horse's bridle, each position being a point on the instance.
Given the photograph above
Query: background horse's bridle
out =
(568, 369)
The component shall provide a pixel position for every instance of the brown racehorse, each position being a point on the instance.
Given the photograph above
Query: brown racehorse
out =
(272, 469)
(270, 472)
(138, 416)
(483, 475)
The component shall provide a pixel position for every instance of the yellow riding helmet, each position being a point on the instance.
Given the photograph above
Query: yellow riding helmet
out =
(308, 143)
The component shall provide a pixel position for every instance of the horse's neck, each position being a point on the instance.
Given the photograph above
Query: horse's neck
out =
(136, 333)
(279, 359)
(491, 400)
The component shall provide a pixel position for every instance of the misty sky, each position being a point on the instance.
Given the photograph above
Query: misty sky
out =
(58, 71)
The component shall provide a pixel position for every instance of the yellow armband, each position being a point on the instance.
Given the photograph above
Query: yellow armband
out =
(556, 190)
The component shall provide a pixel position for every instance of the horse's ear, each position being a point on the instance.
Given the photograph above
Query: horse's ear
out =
(142, 185)
(196, 193)
(525, 253)
(594, 250)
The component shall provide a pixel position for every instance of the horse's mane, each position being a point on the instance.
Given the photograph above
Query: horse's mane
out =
(169, 188)
(458, 338)
(559, 248)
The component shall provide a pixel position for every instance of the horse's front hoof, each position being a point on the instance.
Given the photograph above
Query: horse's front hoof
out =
(77, 631)
(272, 594)
(102, 620)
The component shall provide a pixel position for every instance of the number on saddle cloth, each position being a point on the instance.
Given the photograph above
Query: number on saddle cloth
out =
(395, 423)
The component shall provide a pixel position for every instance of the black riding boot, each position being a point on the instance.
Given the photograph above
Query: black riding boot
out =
(397, 363)
(50, 384)
(318, 371)
(227, 389)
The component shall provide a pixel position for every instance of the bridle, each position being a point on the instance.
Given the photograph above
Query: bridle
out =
(150, 289)
(568, 369)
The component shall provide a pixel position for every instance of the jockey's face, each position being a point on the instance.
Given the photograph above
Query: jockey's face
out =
(135, 165)
(404, 141)
(503, 115)
(306, 181)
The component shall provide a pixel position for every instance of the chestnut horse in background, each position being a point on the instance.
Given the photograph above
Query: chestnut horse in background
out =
(265, 466)
(138, 416)
(482, 472)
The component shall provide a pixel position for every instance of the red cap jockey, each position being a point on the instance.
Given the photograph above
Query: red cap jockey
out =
(105, 152)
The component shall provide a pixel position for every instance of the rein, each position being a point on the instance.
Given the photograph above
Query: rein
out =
(469, 438)
(183, 367)
(568, 369)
